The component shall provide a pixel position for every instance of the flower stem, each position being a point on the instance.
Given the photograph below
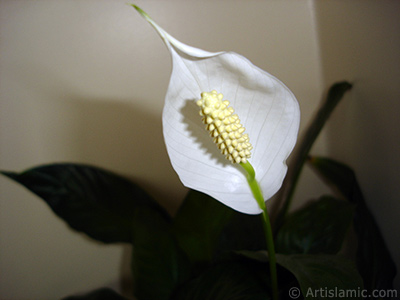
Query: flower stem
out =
(255, 188)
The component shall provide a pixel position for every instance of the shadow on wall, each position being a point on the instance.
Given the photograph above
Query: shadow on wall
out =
(57, 124)
(127, 140)
(117, 136)
(359, 42)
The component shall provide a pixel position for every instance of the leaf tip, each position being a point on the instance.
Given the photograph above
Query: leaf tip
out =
(341, 86)
(11, 175)
(139, 10)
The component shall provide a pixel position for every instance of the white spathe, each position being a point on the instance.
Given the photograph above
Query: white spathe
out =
(266, 107)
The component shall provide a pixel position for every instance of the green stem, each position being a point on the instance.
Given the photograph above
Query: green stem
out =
(255, 188)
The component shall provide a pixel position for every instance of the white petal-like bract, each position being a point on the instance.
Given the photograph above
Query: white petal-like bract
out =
(266, 107)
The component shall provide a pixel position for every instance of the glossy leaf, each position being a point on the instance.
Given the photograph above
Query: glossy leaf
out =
(198, 225)
(319, 273)
(373, 257)
(158, 263)
(91, 200)
(318, 227)
(206, 228)
(313, 273)
(266, 107)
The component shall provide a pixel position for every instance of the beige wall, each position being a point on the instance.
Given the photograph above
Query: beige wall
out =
(84, 81)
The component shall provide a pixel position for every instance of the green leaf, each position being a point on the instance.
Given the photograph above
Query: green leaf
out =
(205, 228)
(319, 275)
(91, 200)
(339, 176)
(303, 147)
(287, 282)
(319, 227)
(198, 225)
(158, 264)
(233, 280)
(100, 294)
(242, 232)
(373, 258)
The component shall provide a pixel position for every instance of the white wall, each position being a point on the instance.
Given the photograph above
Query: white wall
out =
(360, 41)
(84, 81)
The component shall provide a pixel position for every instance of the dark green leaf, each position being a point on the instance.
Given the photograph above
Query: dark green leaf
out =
(260, 256)
(100, 294)
(319, 227)
(233, 280)
(94, 201)
(286, 280)
(373, 258)
(319, 275)
(303, 147)
(198, 224)
(339, 176)
(158, 264)
(243, 232)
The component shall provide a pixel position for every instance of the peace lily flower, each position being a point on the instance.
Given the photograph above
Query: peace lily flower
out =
(265, 123)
